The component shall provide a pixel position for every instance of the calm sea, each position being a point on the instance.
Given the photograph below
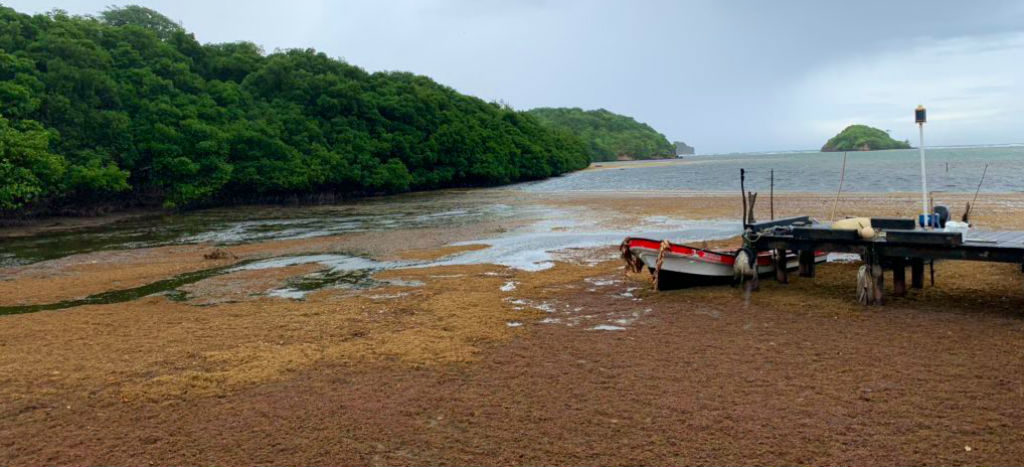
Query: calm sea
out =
(949, 169)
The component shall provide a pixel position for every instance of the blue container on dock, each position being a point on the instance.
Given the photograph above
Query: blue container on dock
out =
(928, 220)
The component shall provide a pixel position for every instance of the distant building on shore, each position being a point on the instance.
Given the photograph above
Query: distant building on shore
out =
(683, 149)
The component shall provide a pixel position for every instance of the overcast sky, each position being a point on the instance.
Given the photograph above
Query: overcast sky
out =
(722, 76)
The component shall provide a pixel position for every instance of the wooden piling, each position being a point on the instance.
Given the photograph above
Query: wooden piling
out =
(899, 277)
(806, 263)
(879, 284)
(743, 195)
(878, 275)
(871, 281)
(917, 273)
(781, 274)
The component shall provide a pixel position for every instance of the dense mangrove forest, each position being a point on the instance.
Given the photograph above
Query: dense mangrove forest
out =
(127, 108)
(608, 136)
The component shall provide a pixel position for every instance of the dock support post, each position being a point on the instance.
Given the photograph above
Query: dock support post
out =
(806, 263)
(781, 274)
(870, 281)
(917, 273)
(899, 277)
(879, 276)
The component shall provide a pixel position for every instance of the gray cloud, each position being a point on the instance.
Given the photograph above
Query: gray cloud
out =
(725, 76)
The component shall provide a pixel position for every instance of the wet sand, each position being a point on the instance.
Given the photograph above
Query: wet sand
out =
(487, 364)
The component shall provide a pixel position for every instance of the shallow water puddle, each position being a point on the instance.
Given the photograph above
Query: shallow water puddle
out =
(288, 293)
(532, 248)
(614, 318)
(341, 271)
(522, 304)
(536, 248)
(599, 282)
(167, 287)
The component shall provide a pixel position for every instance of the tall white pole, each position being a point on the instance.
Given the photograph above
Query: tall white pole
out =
(924, 174)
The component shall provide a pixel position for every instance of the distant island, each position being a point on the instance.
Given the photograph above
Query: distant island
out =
(607, 135)
(683, 149)
(863, 138)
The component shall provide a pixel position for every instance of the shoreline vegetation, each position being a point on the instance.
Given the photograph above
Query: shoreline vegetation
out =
(126, 109)
(608, 136)
(862, 138)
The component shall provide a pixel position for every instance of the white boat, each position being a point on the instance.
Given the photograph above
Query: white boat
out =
(687, 266)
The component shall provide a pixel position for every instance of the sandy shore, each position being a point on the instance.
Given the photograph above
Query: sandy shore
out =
(485, 364)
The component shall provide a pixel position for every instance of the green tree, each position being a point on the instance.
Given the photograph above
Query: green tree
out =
(28, 169)
(135, 15)
(608, 136)
(138, 111)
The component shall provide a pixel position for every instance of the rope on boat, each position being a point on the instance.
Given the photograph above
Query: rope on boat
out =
(867, 284)
(633, 262)
(656, 277)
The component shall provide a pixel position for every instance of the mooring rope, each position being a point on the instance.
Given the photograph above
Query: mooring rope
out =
(633, 262)
(656, 277)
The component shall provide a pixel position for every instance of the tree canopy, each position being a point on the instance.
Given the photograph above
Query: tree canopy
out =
(129, 108)
(862, 138)
(143, 17)
(608, 136)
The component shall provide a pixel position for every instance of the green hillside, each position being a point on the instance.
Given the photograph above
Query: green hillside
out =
(862, 138)
(608, 136)
(127, 108)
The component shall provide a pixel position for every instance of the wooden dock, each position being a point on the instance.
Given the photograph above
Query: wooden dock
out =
(898, 246)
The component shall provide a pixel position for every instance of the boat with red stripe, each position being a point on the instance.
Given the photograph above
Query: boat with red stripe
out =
(685, 265)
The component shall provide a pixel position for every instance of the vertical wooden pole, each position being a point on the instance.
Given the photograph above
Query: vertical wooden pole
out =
(864, 283)
(879, 275)
(842, 175)
(807, 263)
(870, 280)
(899, 277)
(917, 273)
(752, 200)
(771, 196)
(743, 194)
(781, 274)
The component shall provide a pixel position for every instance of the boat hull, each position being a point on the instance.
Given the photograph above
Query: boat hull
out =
(684, 266)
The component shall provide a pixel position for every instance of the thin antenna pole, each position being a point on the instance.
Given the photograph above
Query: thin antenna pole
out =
(842, 175)
(924, 174)
(983, 172)
(975, 200)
